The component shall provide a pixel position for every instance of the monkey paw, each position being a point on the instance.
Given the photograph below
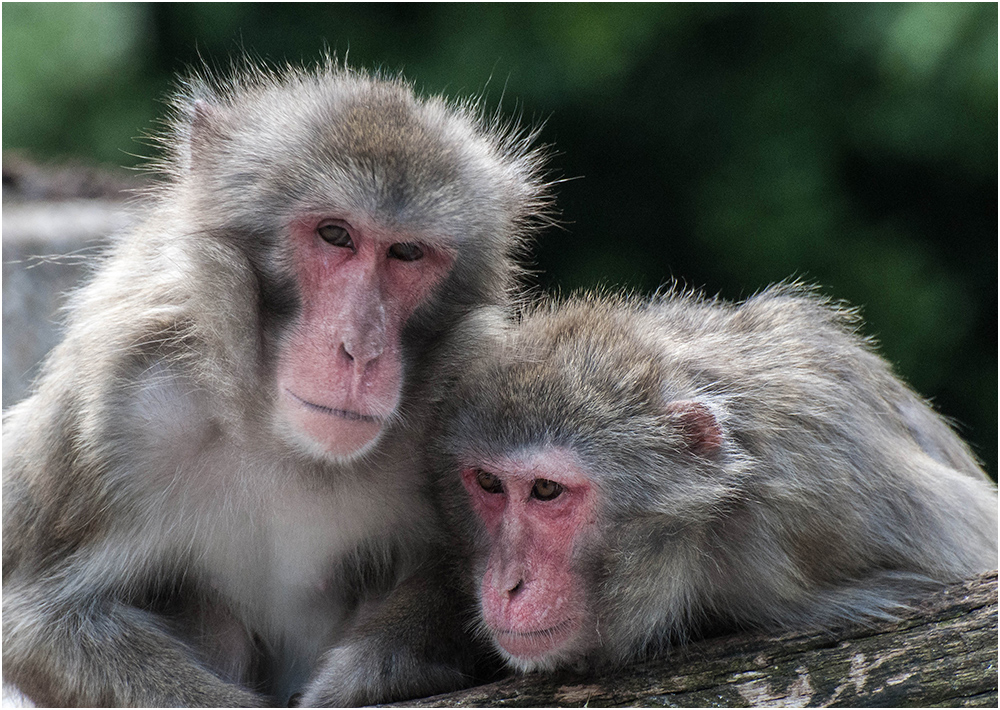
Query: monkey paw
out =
(368, 671)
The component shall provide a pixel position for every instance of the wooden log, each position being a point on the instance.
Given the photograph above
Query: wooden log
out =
(942, 652)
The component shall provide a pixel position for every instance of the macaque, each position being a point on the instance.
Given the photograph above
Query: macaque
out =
(215, 478)
(626, 475)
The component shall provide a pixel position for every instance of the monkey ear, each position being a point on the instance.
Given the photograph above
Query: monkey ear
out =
(698, 427)
(201, 115)
(206, 124)
(205, 119)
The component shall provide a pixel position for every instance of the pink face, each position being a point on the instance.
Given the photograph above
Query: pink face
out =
(537, 511)
(340, 373)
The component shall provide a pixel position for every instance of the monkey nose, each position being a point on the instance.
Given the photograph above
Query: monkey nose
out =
(361, 353)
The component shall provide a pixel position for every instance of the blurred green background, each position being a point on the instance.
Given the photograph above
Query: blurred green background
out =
(725, 145)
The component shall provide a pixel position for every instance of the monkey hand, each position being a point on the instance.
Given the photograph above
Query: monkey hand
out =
(410, 645)
(368, 671)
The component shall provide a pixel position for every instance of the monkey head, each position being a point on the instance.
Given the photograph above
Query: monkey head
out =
(560, 435)
(371, 217)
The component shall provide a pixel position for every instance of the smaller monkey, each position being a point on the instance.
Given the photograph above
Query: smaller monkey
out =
(623, 475)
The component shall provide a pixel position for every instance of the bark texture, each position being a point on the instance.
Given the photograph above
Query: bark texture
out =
(940, 653)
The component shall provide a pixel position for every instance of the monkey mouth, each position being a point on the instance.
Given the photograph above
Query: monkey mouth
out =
(347, 414)
(535, 643)
(562, 625)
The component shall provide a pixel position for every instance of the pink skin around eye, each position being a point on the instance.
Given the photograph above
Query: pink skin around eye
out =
(340, 372)
(532, 600)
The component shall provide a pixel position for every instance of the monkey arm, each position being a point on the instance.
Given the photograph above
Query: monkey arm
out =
(72, 648)
(413, 643)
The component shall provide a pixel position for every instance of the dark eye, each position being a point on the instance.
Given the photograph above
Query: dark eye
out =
(545, 489)
(406, 251)
(488, 482)
(336, 235)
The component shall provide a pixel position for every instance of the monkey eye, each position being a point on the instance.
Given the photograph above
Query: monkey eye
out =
(545, 489)
(488, 482)
(406, 251)
(336, 235)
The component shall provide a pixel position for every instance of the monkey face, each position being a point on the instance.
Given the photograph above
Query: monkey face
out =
(340, 374)
(538, 511)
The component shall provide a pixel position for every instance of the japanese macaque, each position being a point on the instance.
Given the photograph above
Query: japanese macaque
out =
(628, 474)
(215, 478)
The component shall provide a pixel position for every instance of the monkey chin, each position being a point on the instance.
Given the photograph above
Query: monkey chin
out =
(327, 432)
(542, 650)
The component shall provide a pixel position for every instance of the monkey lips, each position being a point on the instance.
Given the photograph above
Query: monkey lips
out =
(532, 647)
(346, 430)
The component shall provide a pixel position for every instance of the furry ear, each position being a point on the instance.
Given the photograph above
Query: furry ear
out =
(698, 427)
(206, 122)
(202, 116)
(194, 132)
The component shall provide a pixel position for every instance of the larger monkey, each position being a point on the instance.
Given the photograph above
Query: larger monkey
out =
(218, 461)
(625, 474)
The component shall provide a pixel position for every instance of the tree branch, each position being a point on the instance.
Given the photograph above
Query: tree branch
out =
(941, 652)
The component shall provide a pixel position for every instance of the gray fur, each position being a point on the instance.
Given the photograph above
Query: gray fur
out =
(162, 543)
(836, 495)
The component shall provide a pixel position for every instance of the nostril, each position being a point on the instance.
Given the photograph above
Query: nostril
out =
(346, 352)
(516, 588)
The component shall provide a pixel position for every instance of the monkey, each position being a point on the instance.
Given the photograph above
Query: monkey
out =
(623, 475)
(215, 478)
